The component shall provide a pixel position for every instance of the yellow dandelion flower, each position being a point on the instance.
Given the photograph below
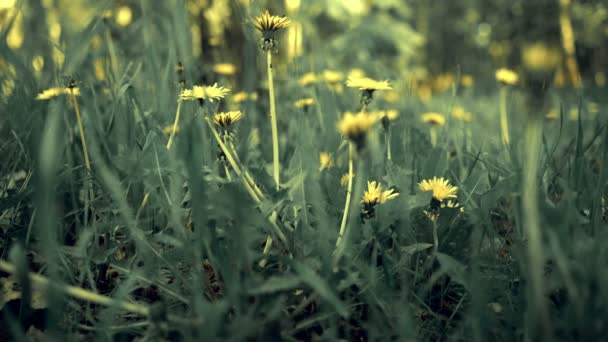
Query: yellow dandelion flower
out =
(391, 114)
(356, 73)
(326, 161)
(210, 93)
(452, 205)
(124, 15)
(242, 96)
(57, 91)
(467, 81)
(432, 215)
(307, 79)
(354, 126)
(227, 119)
(304, 103)
(267, 23)
(435, 119)
(344, 180)
(391, 96)
(539, 57)
(332, 76)
(226, 69)
(552, 115)
(440, 187)
(460, 114)
(507, 76)
(367, 84)
(374, 194)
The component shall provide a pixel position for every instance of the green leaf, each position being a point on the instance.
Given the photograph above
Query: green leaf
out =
(453, 268)
(276, 284)
(416, 247)
(320, 286)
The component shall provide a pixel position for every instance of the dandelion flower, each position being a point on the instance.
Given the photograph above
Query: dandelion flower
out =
(242, 96)
(355, 126)
(57, 91)
(460, 114)
(367, 84)
(210, 93)
(304, 103)
(440, 187)
(467, 81)
(332, 76)
(452, 205)
(507, 76)
(307, 79)
(326, 161)
(270, 23)
(344, 180)
(374, 194)
(435, 119)
(226, 69)
(227, 119)
(539, 57)
(391, 114)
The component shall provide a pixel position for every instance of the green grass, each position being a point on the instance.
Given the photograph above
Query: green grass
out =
(166, 232)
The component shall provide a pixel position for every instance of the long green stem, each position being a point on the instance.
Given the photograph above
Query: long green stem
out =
(531, 221)
(435, 238)
(349, 191)
(388, 144)
(504, 120)
(79, 293)
(273, 121)
(175, 125)
(83, 140)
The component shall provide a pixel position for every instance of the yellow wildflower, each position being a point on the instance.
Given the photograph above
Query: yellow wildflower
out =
(307, 79)
(226, 69)
(435, 119)
(226, 119)
(374, 194)
(368, 84)
(539, 57)
(243, 96)
(304, 103)
(57, 91)
(507, 76)
(326, 161)
(460, 114)
(210, 93)
(331, 76)
(344, 180)
(440, 187)
(124, 16)
(269, 23)
(354, 126)
(467, 81)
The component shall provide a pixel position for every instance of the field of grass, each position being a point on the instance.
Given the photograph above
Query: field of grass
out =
(128, 213)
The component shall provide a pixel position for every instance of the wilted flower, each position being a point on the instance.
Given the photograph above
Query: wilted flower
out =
(227, 119)
(435, 119)
(507, 76)
(57, 91)
(210, 93)
(326, 161)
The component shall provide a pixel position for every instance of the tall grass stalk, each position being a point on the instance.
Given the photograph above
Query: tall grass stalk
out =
(504, 120)
(349, 190)
(175, 125)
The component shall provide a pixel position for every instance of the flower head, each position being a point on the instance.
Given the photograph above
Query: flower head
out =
(507, 76)
(435, 119)
(227, 119)
(355, 126)
(243, 96)
(210, 93)
(391, 114)
(460, 114)
(374, 194)
(57, 91)
(304, 103)
(307, 79)
(344, 180)
(368, 84)
(332, 76)
(226, 69)
(326, 161)
(270, 23)
(440, 187)
(539, 57)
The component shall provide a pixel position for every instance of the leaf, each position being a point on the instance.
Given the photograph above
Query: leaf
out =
(320, 286)
(415, 248)
(276, 284)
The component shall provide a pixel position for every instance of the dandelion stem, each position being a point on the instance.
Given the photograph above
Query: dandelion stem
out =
(175, 124)
(435, 238)
(79, 293)
(388, 143)
(504, 121)
(433, 133)
(83, 140)
(531, 221)
(349, 190)
(273, 122)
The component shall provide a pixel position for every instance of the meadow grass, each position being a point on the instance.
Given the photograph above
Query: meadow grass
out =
(165, 235)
